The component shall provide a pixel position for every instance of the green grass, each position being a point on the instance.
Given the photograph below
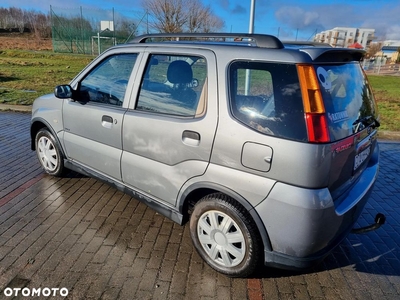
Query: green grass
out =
(387, 94)
(25, 75)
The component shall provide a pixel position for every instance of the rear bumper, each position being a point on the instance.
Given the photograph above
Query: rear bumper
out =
(304, 225)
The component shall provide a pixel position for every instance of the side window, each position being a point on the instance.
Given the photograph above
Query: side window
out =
(174, 85)
(107, 82)
(267, 98)
(255, 92)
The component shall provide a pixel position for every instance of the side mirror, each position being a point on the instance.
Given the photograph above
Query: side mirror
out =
(63, 91)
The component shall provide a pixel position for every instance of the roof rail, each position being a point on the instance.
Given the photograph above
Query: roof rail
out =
(306, 43)
(259, 40)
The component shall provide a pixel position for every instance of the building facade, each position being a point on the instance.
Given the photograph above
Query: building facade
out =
(390, 50)
(346, 36)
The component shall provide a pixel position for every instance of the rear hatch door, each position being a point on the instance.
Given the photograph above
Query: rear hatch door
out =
(352, 120)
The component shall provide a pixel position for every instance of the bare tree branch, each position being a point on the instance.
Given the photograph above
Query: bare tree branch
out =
(182, 16)
(373, 49)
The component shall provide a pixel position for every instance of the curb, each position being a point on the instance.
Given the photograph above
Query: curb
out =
(19, 108)
(389, 135)
(382, 135)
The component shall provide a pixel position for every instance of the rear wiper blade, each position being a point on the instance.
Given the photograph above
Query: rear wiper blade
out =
(365, 121)
(376, 122)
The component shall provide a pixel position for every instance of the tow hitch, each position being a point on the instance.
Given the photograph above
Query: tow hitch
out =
(379, 221)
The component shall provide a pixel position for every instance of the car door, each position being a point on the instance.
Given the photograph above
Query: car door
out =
(169, 128)
(93, 120)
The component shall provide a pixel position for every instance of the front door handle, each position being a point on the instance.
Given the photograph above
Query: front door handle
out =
(191, 138)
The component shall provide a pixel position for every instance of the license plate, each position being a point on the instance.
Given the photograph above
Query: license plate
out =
(361, 157)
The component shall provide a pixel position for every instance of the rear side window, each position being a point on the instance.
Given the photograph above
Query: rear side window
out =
(174, 85)
(267, 98)
(347, 97)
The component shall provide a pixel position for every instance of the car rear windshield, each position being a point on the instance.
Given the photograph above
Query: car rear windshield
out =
(347, 97)
(266, 97)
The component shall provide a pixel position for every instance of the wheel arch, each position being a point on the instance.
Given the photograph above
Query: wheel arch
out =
(195, 192)
(38, 124)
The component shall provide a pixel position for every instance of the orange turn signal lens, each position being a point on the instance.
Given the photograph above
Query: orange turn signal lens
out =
(312, 98)
(314, 108)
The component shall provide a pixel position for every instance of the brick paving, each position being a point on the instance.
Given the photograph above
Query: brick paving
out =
(80, 234)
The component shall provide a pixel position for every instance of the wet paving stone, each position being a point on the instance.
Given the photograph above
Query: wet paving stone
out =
(80, 234)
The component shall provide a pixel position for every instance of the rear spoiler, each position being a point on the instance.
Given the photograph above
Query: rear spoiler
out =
(333, 54)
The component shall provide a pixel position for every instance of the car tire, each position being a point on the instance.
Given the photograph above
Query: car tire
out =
(49, 153)
(225, 235)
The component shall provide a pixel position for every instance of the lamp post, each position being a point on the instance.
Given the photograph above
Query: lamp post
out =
(252, 10)
(251, 30)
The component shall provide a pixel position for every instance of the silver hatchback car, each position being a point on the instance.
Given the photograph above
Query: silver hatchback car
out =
(268, 149)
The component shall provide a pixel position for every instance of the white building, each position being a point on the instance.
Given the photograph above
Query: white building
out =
(346, 36)
(390, 50)
(391, 43)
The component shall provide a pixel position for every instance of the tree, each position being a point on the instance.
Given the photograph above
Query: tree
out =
(201, 18)
(18, 18)
(12, 18)
(126, 27)
(182, 16)
(39, 24)
(373, 49)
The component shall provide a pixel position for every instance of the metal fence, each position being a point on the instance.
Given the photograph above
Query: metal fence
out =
(91, 31)
(380, 66)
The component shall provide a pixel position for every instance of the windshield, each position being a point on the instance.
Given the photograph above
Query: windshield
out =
(348, 98)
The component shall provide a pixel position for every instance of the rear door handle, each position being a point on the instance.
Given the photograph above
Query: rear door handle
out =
(191, 138)
(106, 121)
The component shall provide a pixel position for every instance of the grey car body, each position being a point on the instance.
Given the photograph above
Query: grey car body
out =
(252, 148)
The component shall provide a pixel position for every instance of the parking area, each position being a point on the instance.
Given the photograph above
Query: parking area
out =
(78, 234)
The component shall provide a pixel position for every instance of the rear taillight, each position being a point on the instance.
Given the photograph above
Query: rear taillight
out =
(314, 109)
(317, 128)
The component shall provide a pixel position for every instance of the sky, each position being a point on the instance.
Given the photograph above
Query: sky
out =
(287, 19)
